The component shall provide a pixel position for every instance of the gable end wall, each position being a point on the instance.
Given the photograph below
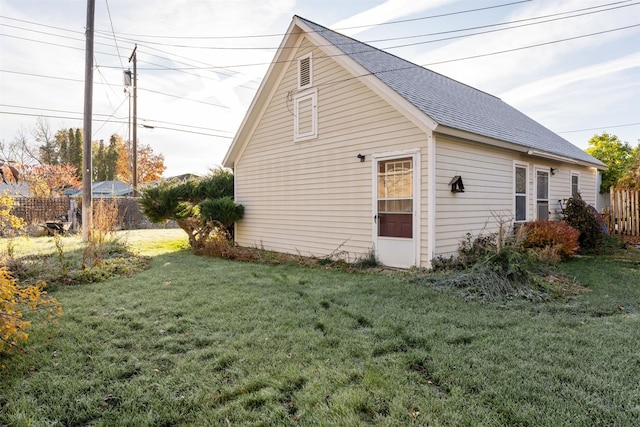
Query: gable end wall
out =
(314, 197)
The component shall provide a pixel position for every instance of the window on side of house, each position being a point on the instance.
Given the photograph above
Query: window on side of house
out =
(575, 184)
(305, 75)
(305, 106)
(520, 190)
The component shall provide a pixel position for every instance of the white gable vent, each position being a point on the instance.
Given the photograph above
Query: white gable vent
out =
(304, 72)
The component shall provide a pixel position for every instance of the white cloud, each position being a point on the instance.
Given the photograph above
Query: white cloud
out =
(551, 84)
(500, 72)
(385, 12)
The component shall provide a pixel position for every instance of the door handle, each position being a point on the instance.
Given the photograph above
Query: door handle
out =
(375, 219)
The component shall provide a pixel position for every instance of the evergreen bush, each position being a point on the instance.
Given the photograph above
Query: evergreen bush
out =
(579, 215)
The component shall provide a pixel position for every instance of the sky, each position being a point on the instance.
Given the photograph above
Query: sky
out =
(572, 65)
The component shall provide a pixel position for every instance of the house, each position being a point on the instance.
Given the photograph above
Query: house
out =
(347, 149)
(15, 189)
(102, 189)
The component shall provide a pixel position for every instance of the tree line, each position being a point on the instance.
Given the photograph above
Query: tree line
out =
(52, 161)
(622, 160)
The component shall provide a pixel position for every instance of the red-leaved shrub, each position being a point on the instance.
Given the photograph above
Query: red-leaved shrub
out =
(551, 241)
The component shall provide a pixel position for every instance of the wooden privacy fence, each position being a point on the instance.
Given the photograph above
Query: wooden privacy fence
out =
(36, 210)
(624, 213)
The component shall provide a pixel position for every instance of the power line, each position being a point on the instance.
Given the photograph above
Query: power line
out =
(617, 5)
(251, 36)
(211, 68)
(182, 97)
(55, 44)
(82, 81)
(439, 33)
(601, 127)
(412, 65)
(162, 67)
(532, 46)
(120, 119)
(111, 116)
(53, 110)
(368, 25)
(113, 31)
(506, 23)
(382, 71)
(112, 121)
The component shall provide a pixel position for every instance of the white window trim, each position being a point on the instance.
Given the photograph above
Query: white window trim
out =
(298, 98)
(517, 164)
(310, 57)
(537, 169)
(574, 173)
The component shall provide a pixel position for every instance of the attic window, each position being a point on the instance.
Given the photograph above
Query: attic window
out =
(305, 115)
(456, 184)
(304, 72)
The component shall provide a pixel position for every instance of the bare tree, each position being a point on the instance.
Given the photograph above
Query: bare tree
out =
(21, 150)
(48, 149)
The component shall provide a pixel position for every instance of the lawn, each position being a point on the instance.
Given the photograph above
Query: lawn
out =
(200, 341)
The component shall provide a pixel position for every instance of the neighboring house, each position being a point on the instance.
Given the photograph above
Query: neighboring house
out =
(346, 148)
(15, 189)
(102, 189)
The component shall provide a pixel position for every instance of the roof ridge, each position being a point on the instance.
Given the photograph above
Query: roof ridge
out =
(389, 54)
(448, 102)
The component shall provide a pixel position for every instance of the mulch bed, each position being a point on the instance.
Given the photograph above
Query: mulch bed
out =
(632, 240)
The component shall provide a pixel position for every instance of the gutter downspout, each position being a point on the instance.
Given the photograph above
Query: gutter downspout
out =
(431, 198)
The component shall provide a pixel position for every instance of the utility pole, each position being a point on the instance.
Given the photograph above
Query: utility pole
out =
(87, 208)
(134, 143)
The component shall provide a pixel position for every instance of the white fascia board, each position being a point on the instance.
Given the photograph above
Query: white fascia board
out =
(267, 88)
(457, 133)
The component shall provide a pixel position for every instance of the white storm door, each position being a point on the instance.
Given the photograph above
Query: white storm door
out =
(395, 212)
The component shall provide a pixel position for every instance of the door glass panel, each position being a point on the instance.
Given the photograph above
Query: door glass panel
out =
(542, 191)
(395, 198)
(543, 184)
(543, 210)
(521, 193)
(521, 208)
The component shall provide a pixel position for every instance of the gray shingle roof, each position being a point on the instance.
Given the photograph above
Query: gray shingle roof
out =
(451, 103)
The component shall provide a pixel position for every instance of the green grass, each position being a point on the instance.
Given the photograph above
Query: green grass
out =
(201, 341)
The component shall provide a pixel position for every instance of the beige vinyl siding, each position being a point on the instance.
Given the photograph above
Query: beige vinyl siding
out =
(314, 197)
(488, 176)
(560, 185)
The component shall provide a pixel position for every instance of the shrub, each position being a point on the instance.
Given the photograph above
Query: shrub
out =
(13, 299)
(550, 241)
(222, 210)
(9, 223)
(497, 267)
(583, 218)
(201, 207)
(104, 224)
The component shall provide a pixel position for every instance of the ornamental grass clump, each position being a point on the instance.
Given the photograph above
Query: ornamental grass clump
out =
(549, 241)
(503, 265)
